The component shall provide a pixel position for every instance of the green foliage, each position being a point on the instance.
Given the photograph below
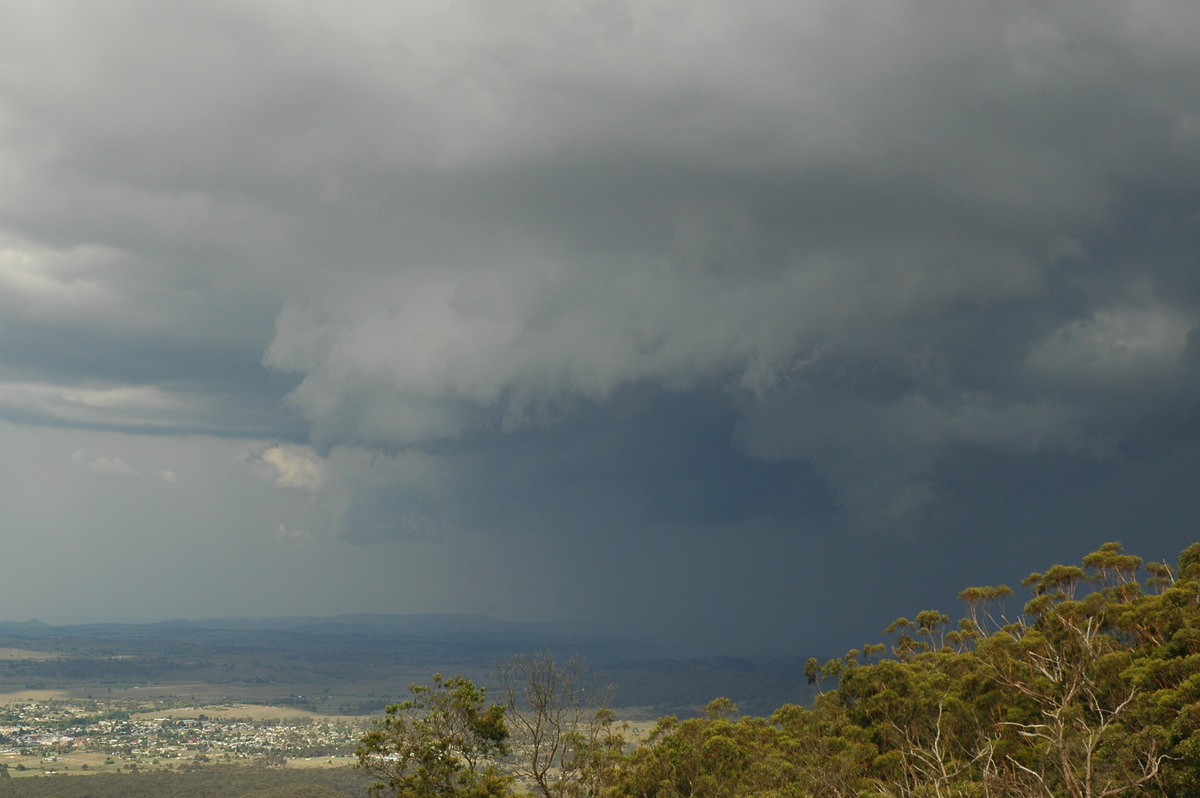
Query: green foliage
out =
(795, 752)
(709, 756)
(441, 742)
(1094, 690)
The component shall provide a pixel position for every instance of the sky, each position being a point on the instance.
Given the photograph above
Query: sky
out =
(735, 327)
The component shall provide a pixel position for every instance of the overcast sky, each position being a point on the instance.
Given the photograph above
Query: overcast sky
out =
(744, 327)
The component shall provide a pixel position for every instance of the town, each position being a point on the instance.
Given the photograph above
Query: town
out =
(47, 736)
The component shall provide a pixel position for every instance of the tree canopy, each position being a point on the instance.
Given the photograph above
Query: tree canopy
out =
(443, 741)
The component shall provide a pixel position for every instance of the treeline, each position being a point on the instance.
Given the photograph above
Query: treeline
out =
(1092, 689)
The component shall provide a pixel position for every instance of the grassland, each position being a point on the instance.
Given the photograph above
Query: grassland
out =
(25, 653)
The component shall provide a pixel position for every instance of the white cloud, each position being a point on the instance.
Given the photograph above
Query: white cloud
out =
(168, 476)
(39, 281)
(299, 536)
(130, 405)
(296, 467)
(104, 466)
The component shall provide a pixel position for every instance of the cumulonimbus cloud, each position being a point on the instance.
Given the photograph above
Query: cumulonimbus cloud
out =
(890, 248)
(878, 228)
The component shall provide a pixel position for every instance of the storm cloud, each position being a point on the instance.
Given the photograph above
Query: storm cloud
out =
(667, 283)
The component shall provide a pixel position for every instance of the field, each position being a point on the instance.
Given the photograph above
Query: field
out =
(24, 653)
(254, 712)
(30, 696)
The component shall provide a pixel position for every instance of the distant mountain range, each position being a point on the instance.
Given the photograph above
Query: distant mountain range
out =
(296, 650)
(426, 623)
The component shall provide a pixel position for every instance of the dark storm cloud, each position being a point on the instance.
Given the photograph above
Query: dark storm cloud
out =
(762, 271)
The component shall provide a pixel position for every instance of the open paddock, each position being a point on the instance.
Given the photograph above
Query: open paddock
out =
(24, 653)
(255, 712)
(33, 696)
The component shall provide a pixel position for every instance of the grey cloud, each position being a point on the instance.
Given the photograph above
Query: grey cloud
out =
(701, 319)
(638, 460)
(928, 203)
(614, 271)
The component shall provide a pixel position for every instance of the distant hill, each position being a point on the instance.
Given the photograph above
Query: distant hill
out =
(425, 623)
(365, 656)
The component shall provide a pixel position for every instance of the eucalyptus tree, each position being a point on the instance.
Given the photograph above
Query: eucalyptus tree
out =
(566, 739)
(444, 741)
